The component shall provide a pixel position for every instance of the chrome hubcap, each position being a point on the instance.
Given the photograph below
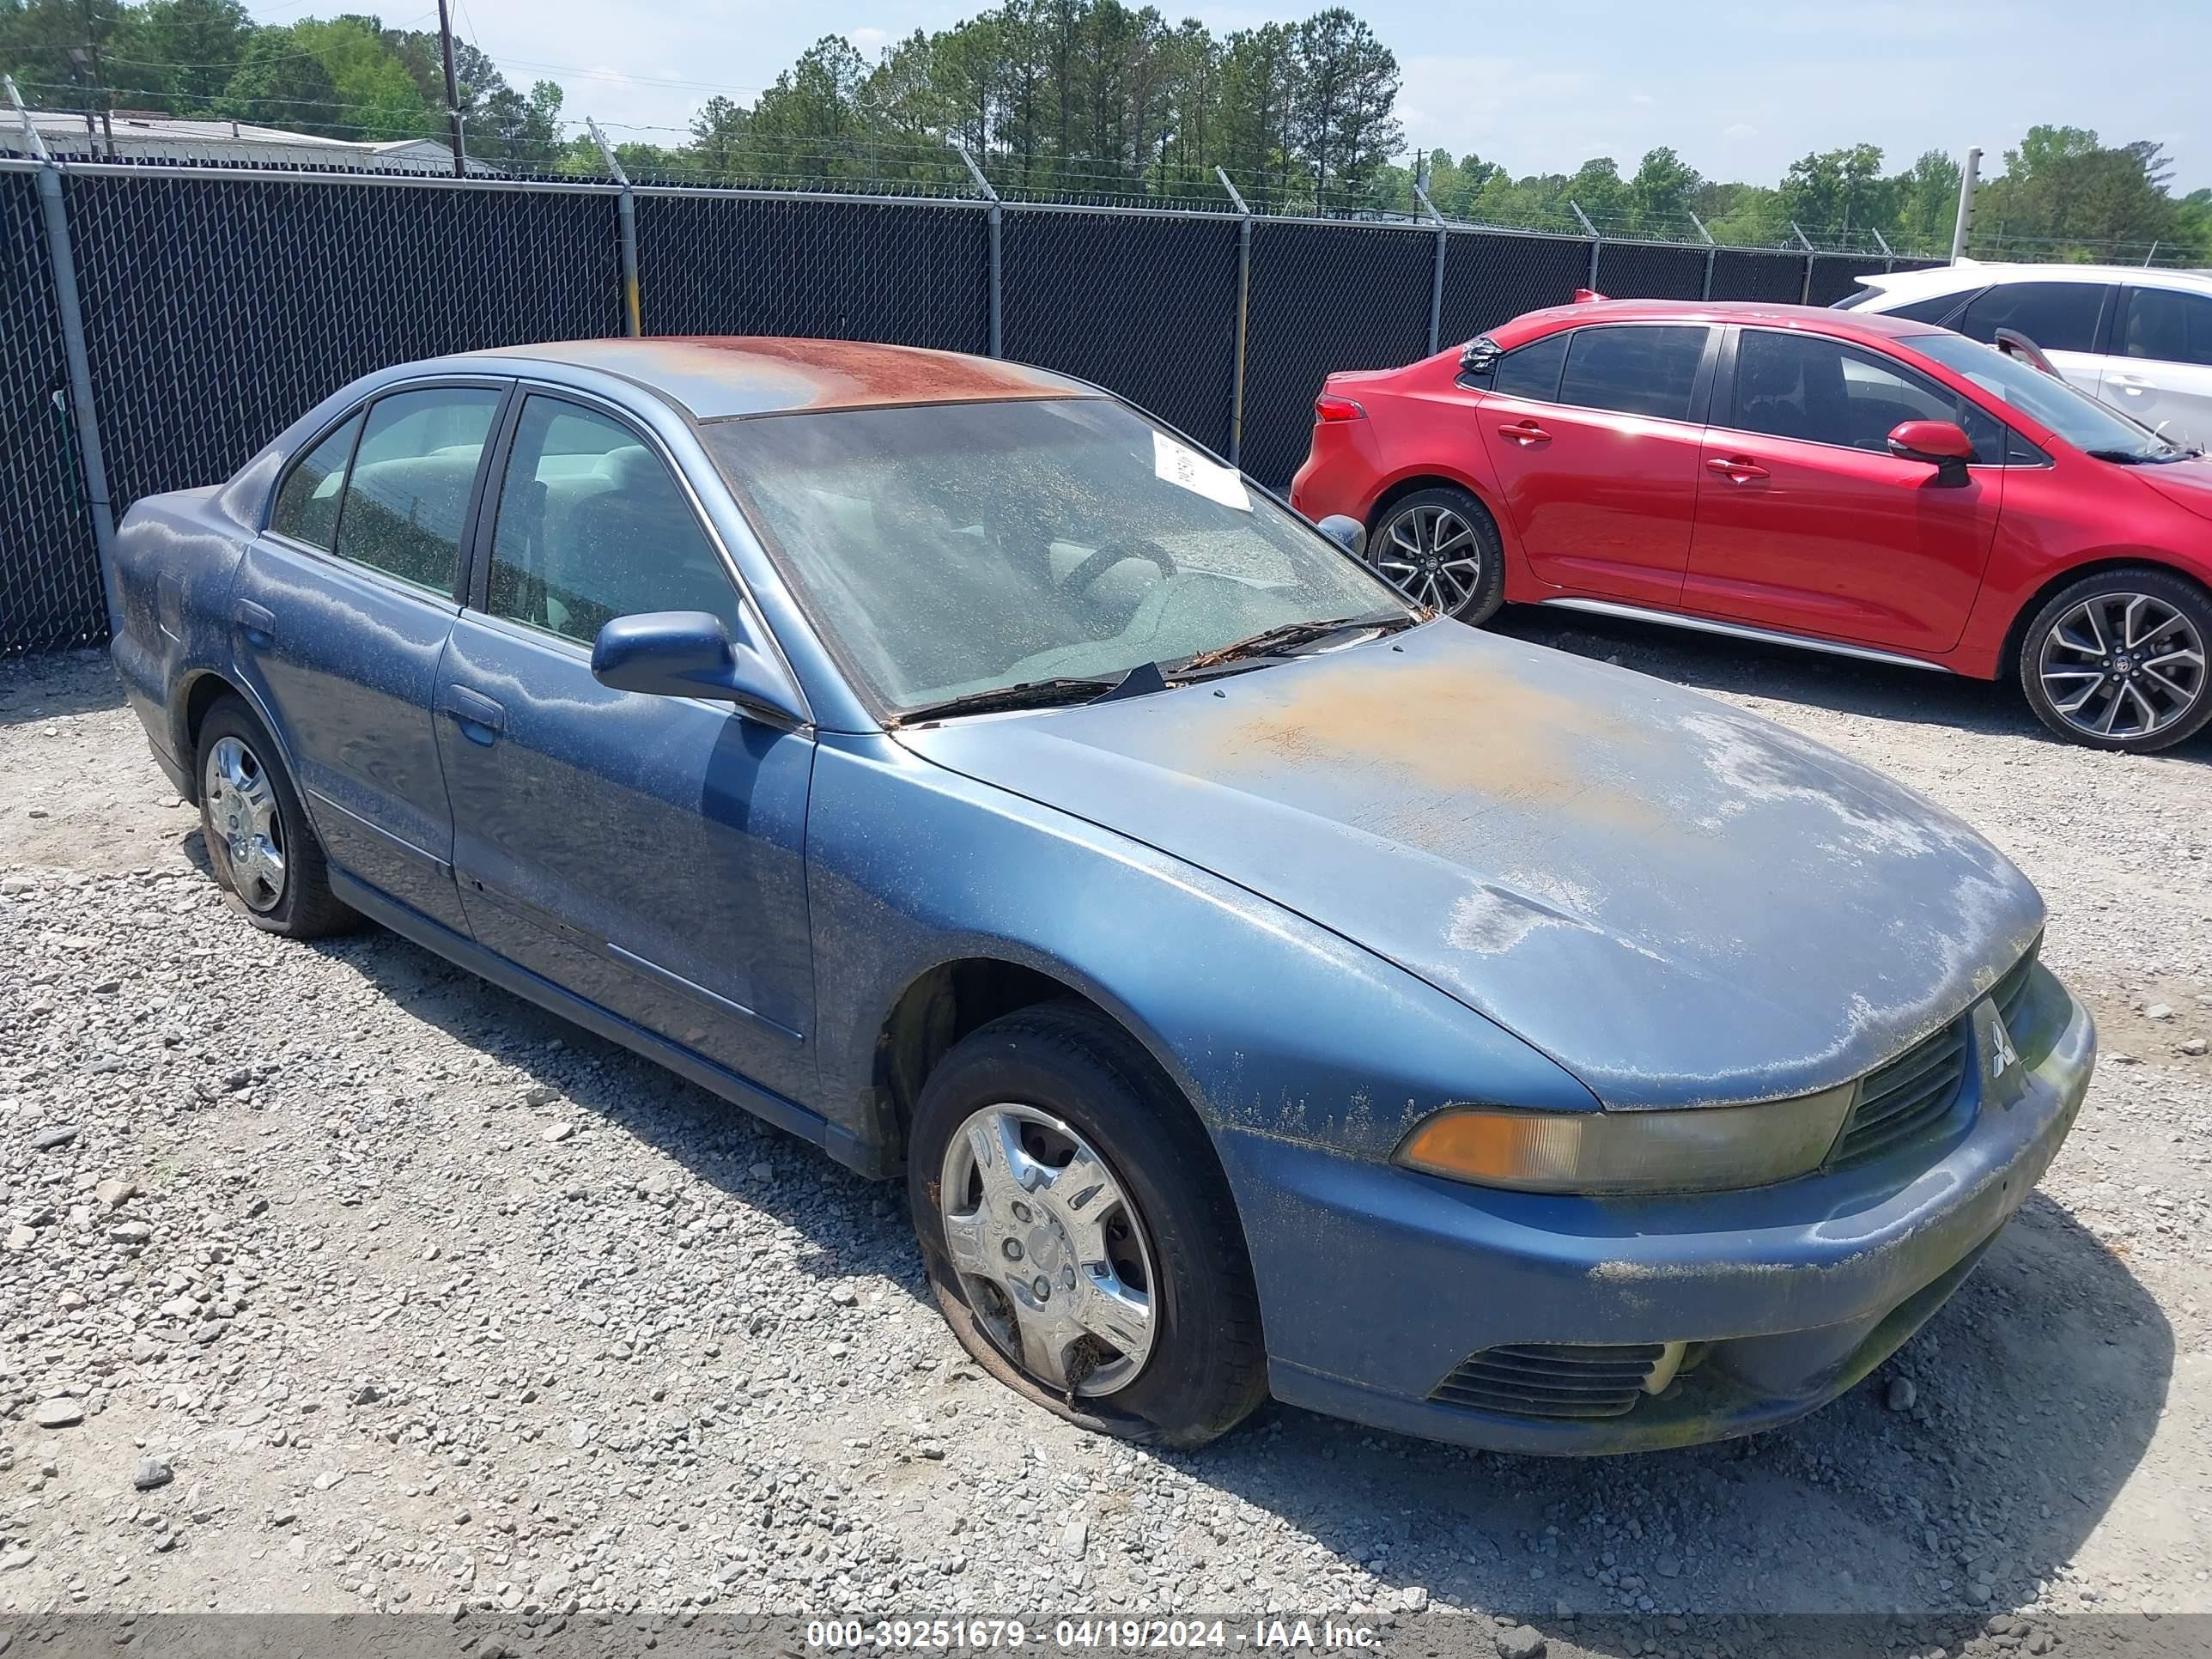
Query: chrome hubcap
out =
(1432, 556)
(241, 815)
(1051, 1252)
(2123, 665)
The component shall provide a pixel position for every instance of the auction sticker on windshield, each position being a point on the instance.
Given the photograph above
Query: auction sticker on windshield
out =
(1179, 463)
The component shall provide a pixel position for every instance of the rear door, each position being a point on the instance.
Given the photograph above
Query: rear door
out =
(1808, 524)
(2160, 370)
(2066, 320)
(341, 612)
(1593, 434)
(645, 853)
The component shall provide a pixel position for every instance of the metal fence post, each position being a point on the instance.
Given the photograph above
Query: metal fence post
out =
(1597, 242)
(1436, 281)
(997, 252)
(1707, 292)
(1243, 318)
(1805, 292)
(78, 362)
(1888, 253)
(626, 221)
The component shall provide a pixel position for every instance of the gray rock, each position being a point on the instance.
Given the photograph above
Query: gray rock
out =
(1900, 1395)
(115, 1192)
(131, 1232)
(1413, 1598)
(1522, 1642)
(61, 1134)
(843, 1295)
(58, 1413)
(2158, 1011)
(1667, 1566)
(554, 1133)
(152, 1473)
(21, 1237)
(1074, 1539)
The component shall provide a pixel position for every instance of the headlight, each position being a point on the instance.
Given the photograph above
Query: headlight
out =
(1707, 1148)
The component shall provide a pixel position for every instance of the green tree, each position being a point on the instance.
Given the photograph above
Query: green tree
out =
(1342, 127)
(280, 83)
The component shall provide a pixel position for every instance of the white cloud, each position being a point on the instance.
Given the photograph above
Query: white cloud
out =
(869, 42)
(1740, 129)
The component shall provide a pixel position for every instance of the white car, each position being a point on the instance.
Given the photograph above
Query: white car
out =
(2139, 339)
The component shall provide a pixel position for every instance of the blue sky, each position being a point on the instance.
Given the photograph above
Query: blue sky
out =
(1739, 89)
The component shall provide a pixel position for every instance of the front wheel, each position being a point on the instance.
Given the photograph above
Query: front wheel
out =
(2117, 661)
(1440, 548)
(1079, 1233)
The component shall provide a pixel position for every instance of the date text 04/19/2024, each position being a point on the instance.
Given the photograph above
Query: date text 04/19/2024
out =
(1088, 1634)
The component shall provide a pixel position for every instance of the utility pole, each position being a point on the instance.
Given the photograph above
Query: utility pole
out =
(453, 89)
(1970, 179)
(92, 54)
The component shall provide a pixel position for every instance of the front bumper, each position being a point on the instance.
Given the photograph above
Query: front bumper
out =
(1376, 1282)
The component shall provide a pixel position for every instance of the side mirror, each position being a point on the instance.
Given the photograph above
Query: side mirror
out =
(690, 653)
(1347, 532)
(1943, 445)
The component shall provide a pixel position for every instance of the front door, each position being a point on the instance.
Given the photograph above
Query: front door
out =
(342, 609)
(1594, 436)
(1805, 522)
(647, 854)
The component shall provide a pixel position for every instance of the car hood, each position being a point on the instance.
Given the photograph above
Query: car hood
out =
(1680, 903)
(2185, 484)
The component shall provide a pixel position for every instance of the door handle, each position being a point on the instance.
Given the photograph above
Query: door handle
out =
(1525, 432)
(258, 620)
(481, 720)
(1736, 471)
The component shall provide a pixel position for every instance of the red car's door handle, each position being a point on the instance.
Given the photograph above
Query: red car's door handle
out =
(1527, 432)
(1737, 469)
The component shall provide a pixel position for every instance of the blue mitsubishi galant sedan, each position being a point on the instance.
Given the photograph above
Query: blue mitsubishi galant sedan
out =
(1264, 986)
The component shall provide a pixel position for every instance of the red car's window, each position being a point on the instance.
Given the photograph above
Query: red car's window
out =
(1634, 369)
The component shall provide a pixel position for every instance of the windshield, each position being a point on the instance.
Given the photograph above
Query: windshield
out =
(956, 549)
(2098, 429)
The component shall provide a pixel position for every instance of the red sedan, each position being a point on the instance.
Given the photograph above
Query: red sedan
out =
(1854, 483)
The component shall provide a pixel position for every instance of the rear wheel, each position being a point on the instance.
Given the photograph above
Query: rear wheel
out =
(2117, 661)
(1439, 547)
(1079, 1233)
(259, 842)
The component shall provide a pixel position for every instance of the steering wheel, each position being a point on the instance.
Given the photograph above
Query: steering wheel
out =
(1086, 574)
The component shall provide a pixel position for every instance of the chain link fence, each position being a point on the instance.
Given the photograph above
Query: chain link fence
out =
(49, 566)
(217, 303)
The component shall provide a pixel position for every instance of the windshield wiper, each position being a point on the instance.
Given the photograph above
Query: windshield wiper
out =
(1270, 641)
(1029, 693)
(2131, 456)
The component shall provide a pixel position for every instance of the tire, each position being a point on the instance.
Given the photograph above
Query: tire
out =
(1405, 534)
(249, 811)
(1197, 1367)
(2128, 636)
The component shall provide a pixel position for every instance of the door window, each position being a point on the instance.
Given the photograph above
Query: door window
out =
(2167, 326)
(307, 505)
(1534, 370)
(1634, 370)
(408, 494)
(2057, 316)
(1934, 310)
(1822, 392)
(591, 527)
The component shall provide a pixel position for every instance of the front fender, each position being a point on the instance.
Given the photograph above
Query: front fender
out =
(1270, 1025)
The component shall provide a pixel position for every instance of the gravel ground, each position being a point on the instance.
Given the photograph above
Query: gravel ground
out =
(334, 1279)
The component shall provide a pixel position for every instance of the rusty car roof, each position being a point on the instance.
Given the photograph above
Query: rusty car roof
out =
(718, 377)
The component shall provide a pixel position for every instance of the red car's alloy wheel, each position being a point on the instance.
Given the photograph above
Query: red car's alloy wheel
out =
(2123, 665)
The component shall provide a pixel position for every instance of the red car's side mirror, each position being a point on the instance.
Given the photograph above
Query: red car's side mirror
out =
(1944, 445)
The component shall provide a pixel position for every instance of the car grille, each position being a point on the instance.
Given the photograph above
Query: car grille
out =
(1551, 1379)
(1917, 1090)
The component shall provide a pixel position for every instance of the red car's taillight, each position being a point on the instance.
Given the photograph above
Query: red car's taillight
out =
(1329, 409)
